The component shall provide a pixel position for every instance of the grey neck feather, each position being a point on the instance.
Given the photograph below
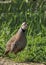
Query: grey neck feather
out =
(20, 31)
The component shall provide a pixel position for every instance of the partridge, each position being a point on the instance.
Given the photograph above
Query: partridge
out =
(18, 41)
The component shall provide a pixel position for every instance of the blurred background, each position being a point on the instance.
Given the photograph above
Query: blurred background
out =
(34, 13)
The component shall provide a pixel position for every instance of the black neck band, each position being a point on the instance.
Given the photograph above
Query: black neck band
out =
(23, 30)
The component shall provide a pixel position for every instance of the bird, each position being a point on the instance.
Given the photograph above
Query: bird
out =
(18, 41)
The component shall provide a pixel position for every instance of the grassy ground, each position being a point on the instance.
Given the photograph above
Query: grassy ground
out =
(11, 17)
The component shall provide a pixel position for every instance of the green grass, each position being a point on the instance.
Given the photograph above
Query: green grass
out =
(11, 17)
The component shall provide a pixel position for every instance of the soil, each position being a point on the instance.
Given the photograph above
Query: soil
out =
(5, 61)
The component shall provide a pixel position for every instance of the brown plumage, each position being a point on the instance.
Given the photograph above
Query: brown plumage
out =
(18, 41)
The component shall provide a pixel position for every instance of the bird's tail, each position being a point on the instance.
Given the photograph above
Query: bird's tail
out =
(5, 53)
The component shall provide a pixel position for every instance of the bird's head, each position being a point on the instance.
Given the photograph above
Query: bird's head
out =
(24, 26)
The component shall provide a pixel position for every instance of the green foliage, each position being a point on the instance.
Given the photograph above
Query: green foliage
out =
(11, 17)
